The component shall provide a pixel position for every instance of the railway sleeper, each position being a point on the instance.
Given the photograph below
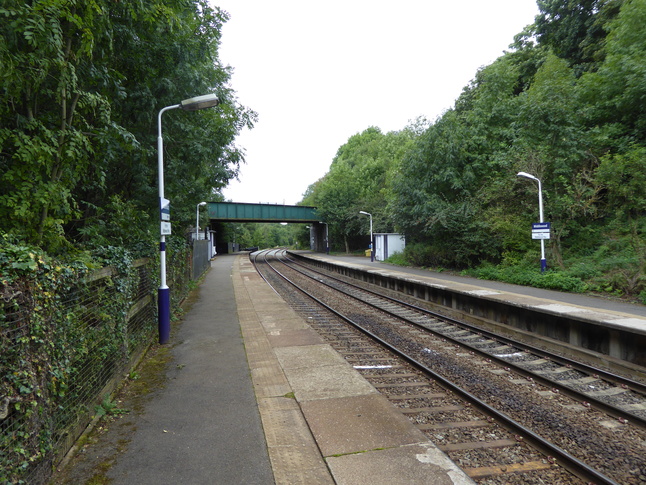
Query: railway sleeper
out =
(476, 445)
(477, 423)
(492, 471)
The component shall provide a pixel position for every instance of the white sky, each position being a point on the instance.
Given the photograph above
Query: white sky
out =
(319, 72)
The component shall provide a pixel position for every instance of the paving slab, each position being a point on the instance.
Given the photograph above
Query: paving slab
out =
(295, 450)
(291, 338)
(417, 464)
(323, 380)
(357, 424)
(292, 358)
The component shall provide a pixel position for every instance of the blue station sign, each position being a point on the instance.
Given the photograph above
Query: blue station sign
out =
(164, 216)
(541, 230)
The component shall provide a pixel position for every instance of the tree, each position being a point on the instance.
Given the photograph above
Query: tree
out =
(616, 94)
(574, 29)
(359, 179)
(169, 61)
(436, 192)
(335, 197)
(82, 84)
(49, 113)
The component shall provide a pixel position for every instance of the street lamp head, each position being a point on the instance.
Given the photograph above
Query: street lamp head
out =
(202, 203)
(200, 102)
(526, 175)
(364, 212)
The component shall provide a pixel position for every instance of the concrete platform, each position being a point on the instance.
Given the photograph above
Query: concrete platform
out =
(573, 301)
(200, 424)
(323, 422)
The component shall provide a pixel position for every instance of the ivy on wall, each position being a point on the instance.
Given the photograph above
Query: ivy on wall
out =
(66, 330)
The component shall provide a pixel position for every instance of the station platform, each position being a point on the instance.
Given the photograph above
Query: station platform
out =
(595, 329)
(252, 395)
(587, 301)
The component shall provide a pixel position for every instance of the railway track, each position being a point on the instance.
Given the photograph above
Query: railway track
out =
(504, 412)
(594, 387)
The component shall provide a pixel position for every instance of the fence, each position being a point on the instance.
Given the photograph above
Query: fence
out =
(63, 352)
(200, 257)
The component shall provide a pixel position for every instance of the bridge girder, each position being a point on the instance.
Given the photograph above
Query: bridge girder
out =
(245, 212)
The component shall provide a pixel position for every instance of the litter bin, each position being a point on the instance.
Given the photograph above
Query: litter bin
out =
(368, 252)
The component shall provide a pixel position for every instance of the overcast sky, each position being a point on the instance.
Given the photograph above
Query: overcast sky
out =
(319, 72)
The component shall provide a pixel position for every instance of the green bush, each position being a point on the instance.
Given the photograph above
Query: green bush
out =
(425, 255)
(621, 265)
(397, 259)
(551, 279)
(584, 270)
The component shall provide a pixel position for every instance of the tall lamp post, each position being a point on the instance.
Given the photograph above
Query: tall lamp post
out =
(197, 220)
(163, 295)
(372, 250)
(540, 214)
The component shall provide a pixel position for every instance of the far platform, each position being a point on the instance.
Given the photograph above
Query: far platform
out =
(588, 326)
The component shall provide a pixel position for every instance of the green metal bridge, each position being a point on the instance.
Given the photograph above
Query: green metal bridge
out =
(243, 212)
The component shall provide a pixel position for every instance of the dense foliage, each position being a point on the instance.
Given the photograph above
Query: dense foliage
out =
(567, 104)
(82, 83)
(357, 181)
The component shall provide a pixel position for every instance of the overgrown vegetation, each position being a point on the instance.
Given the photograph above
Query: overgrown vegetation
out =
(565, 104)
(82, 86)
(67, 329)
(63, 333)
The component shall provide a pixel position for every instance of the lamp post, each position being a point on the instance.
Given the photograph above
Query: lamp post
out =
(540, 214)
(372, 250)
(163, 295)
(197, 220)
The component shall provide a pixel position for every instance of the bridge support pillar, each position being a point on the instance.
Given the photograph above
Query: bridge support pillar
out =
(318, 237)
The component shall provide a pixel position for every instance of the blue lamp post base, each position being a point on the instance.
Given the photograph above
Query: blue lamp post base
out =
(163, 308)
